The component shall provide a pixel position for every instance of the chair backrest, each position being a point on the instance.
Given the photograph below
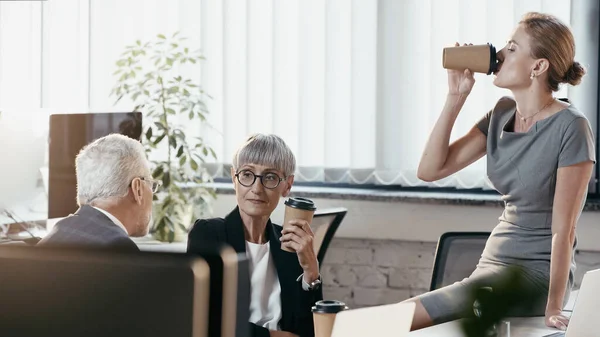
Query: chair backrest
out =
(456, 257)
(324, 225)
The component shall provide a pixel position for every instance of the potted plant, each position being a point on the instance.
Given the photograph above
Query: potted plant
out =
(149, 74)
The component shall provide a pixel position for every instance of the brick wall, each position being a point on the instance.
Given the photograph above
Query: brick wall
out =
(373, 272)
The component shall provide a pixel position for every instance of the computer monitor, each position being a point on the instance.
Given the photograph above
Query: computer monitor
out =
(23, 145)
(229, 289)
(68, 134)
(68, 292)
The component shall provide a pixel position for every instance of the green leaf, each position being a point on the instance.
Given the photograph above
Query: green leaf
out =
(157, 172)
(159, 139)
(166, 179)
(165, 204)
(180, 151)
(170, 223)
(205, 152)
(149, 133)
(212, 152)
(182, 160)
(171, 237)
(174, 45)
(160, 36)
(160, 225)
(121, 63)
(170, 111)
(193, 61)
(186, 50)
(135, 96)
(193, 164)
(173, 142)
(138, 42)
(173, 90)
(191, 115)
(169, 61)
(182, 227)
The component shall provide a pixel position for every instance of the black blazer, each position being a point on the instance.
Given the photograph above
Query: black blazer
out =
(296, 303)
(89, 227)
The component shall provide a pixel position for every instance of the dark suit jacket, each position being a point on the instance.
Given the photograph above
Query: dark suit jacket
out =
(88, 227)
(296, 303)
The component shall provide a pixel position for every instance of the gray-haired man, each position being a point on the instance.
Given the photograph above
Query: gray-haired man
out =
(114, 193)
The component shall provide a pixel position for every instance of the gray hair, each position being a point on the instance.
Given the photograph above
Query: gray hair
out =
(106, 167)
(266, 150)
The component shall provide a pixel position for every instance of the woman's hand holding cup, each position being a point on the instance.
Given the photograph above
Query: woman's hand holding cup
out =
(298, 237)
(460, 82)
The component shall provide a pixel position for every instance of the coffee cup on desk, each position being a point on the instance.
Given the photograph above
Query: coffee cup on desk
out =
(477, 58)
(297, 209)
(324, 313)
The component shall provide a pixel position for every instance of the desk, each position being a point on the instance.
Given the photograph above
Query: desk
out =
(519, 327)
(148, 243)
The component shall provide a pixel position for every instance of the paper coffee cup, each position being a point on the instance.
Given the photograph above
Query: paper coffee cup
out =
(297, 208)
(478, 58)
(324, 313)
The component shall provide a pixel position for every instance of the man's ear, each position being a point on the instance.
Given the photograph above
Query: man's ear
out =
(137, 190)
(288, 186)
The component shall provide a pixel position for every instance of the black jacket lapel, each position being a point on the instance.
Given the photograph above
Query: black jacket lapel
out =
(234, 231)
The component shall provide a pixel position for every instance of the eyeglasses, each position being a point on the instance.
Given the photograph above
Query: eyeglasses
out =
(247, 178)
(154, 184)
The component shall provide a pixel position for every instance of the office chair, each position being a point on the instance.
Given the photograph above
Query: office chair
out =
(456, 257)
(324, 225)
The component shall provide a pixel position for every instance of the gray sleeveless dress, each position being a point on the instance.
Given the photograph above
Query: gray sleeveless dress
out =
(523, 168)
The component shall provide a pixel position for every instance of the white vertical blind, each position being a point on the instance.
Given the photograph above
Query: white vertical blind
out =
(20, 54)
(353, 86)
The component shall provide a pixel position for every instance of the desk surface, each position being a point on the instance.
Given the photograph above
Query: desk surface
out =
(519, 327)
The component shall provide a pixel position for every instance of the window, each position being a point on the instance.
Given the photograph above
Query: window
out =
(353, 86)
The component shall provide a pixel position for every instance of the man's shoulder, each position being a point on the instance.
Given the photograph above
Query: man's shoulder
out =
(87, 230)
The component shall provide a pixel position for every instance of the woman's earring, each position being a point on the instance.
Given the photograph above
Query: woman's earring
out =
(532, 76)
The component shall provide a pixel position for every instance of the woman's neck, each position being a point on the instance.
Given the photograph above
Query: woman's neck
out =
(254, 228)
(529, 103)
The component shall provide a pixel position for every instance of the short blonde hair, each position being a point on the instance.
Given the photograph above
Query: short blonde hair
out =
(267, 150)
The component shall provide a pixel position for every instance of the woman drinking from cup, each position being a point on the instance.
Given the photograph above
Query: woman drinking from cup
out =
(540, 154)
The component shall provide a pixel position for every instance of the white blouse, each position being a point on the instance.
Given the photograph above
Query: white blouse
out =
(265, 300)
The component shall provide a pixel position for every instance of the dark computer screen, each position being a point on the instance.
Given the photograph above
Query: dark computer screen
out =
(69, 133)
(229, 289)
(60, 292)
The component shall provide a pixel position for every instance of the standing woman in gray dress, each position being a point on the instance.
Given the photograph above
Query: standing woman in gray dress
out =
(540, 155)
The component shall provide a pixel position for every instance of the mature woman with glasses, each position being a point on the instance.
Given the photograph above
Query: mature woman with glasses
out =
(284, 285)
